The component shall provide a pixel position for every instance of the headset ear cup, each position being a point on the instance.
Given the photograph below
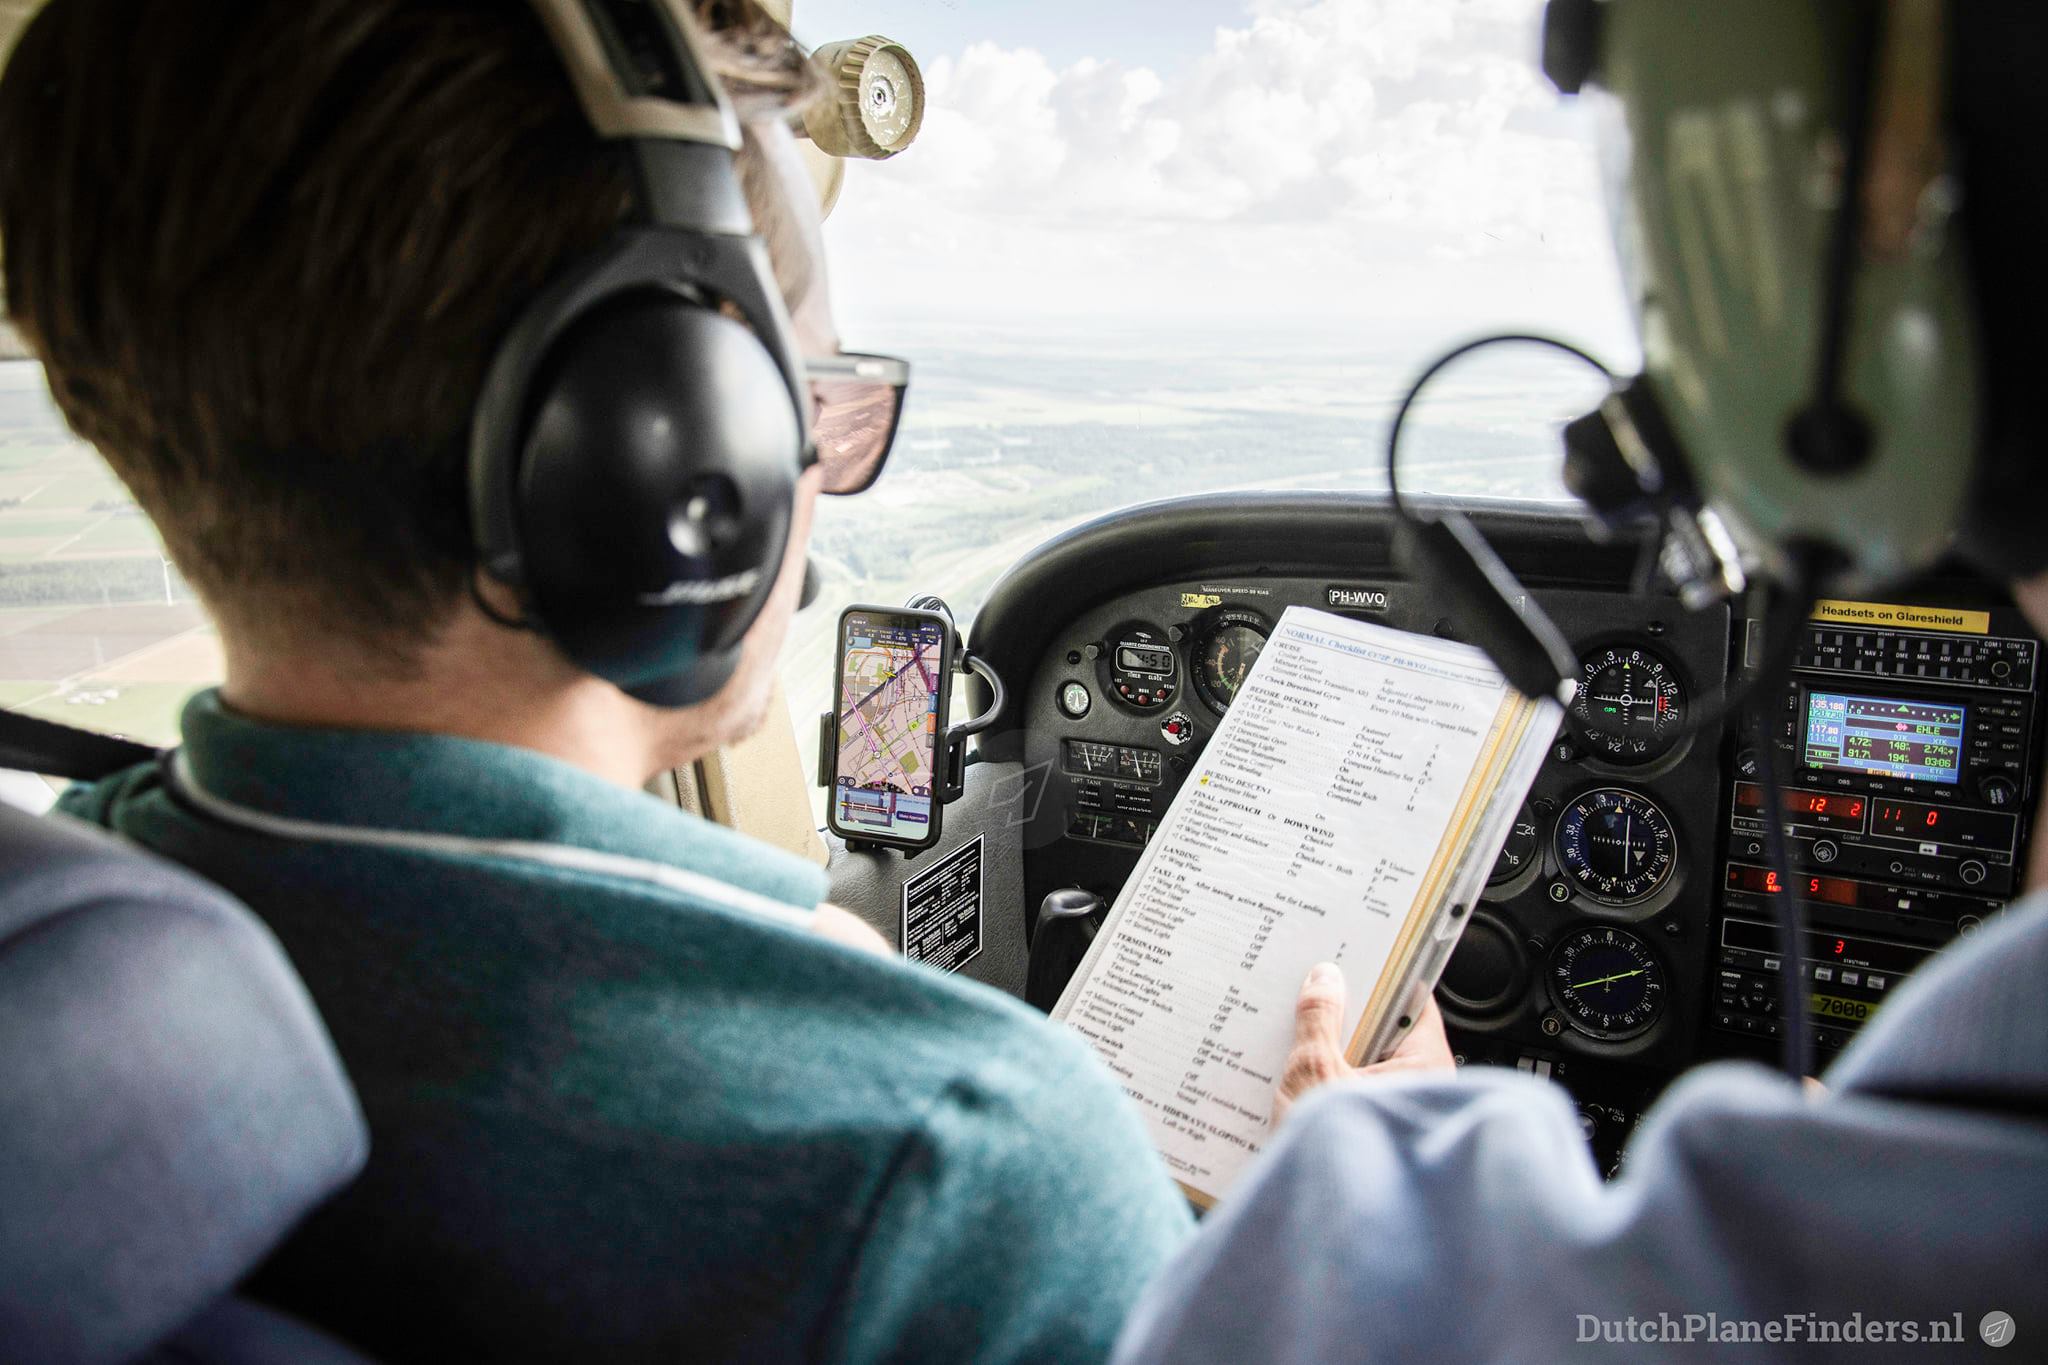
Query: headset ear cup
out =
(656, 481)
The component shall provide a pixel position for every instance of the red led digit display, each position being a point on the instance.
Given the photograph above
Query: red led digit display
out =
(1943, 824)
(1828, 809)
(1829, 890)
(1881, 954)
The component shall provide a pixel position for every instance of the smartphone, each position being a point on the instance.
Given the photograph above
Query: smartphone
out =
(891, 691)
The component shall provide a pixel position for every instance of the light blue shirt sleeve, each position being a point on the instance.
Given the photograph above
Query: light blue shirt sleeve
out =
(1463, 1219)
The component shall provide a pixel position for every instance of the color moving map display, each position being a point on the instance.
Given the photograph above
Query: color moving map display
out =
(890, 683)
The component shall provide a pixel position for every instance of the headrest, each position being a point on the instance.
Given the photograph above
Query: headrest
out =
(170, 1104)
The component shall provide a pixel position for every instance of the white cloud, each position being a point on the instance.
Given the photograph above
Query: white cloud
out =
(1357, 160)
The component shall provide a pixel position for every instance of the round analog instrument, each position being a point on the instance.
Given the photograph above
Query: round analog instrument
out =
(1631, 705)
(1520, 847)
(1607, 982)
(1226, 647)
(1616, 846)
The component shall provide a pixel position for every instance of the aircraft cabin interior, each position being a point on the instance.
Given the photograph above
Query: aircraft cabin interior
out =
(1165, 281)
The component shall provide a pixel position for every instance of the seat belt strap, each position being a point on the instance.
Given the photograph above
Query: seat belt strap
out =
(32, 745)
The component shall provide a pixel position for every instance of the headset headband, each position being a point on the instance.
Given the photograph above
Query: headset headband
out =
(640, 75)
(639, 70)
(628, 395)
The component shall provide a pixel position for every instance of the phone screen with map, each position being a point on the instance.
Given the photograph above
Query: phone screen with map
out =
(894, 676)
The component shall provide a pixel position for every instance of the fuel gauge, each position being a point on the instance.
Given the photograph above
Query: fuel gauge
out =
(1137, 765)
(1090, 759)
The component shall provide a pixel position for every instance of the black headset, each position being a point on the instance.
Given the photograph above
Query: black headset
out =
(635, 450)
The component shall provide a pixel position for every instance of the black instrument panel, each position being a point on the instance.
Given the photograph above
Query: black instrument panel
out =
(1618, 933)
(1618, 839)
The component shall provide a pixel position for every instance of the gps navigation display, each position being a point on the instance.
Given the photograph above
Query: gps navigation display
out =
(1909, 740)
(891, 698)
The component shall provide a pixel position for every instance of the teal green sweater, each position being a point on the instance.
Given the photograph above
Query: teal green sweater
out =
(621, 1112)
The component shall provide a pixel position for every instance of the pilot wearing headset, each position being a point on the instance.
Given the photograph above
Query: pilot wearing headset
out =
(1846, 384)
(473, 359)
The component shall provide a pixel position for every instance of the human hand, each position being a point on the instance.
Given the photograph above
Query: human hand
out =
(1318, 1054)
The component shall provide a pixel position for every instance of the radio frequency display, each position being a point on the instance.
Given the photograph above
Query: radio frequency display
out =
(1912, 741)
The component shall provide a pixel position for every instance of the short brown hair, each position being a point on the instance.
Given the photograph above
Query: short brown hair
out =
(265, 248)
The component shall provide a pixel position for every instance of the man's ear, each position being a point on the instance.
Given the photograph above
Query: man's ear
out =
(499, 602)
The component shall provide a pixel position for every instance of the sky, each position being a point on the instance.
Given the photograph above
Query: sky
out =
(1396, 168)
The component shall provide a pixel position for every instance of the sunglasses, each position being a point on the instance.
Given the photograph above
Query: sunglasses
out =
(856, 404)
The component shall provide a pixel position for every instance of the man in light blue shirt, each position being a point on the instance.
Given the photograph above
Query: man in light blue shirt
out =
(1427, 1216)
(1415, 1214)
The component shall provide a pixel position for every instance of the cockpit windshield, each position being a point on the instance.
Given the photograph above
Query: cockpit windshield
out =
(1150, 251)
(1137, 252)
(97, 627)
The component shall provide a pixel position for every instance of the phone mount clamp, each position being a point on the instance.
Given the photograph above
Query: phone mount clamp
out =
(949, 783)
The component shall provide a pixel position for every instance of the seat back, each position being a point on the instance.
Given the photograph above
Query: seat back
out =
(170, 1104)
